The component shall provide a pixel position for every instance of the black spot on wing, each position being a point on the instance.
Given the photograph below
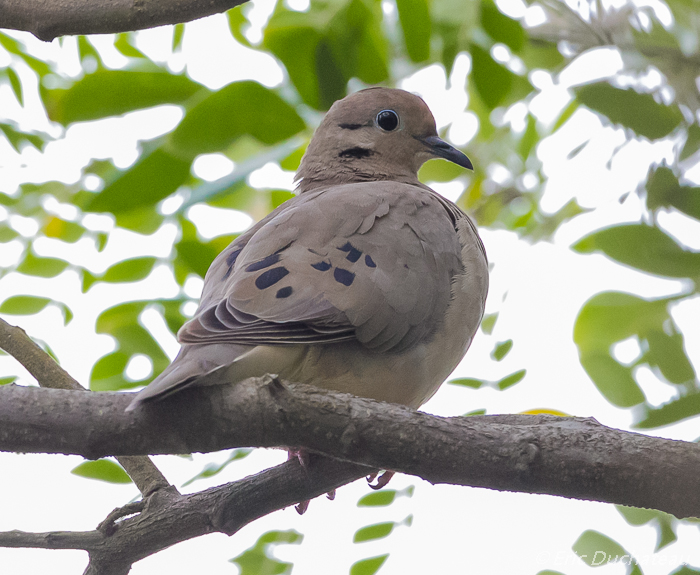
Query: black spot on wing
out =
(284, 292)
(231, 261)
(356, 153)
(343, 276)
(369, 262)
(270, 277)
(263, 263)
(321, 266)
(353, 253)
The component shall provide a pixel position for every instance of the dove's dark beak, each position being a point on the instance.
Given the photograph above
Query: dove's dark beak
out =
(442, 149)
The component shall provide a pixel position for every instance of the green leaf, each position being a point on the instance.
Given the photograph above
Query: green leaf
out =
(511, 379)
(122, 323)
(662, 184)
(18, 138)
(384, 497)
(106, 374)
(608, 318)
(65, 230)
(193, 254)
(7, 233)
(501, 350)
(178, 33)
(671, 412)
(594, 548)
(643, 247)
(638, 112)
(15, 47)
(102, 470)
(469, 382)
(378, 499)
(212, 125)
(112, 92)
(15, 84)
(540, 54)
(125, 44)
(234, 182)
(327, 45)
(24, 304)
(613, 380)
(439, 170)
(154, 177)
(500, 27)
(130, 270)
(8, 379)
(664, 190)
(529, 139)
(666, 351)
(500, 384)
(371, 532)
(488, 323)
(664, 523)
(237, 20)
(566, 114)
(368, 566)
(692, 142)
(492, 80)
(33, 265)
(258, 559)
(29, 305)
(213, 469)
(86, 51)
(414, 16)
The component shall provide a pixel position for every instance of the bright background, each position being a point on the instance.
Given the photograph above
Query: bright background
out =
(537, 290)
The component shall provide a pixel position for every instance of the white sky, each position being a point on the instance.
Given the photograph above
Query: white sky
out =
(538, 290)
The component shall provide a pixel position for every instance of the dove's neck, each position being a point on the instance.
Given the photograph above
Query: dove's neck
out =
(336, 165)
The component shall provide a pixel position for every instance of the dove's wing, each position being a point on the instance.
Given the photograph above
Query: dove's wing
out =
(372, 261)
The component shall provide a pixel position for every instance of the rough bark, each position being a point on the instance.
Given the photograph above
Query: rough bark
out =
(48, 20)
(570, 457)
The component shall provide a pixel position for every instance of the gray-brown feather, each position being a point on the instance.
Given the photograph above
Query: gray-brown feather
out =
(368, 260)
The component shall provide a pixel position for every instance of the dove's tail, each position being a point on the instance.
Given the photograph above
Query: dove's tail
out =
(218, 364)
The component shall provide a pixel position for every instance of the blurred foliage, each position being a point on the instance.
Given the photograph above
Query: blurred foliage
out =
(212, 469)
(258, 560)
(103, 470)
(596, 549)
(326, 50)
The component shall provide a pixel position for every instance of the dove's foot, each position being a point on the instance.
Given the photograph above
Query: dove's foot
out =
(382, 480)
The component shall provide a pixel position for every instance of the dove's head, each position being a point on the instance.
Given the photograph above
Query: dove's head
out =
(374, 134)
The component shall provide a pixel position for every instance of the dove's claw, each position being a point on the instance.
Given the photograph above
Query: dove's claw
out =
(382, 480)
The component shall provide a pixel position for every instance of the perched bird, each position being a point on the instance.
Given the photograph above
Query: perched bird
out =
(367, 282)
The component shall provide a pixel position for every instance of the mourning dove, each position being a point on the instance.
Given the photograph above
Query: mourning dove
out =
(367, 282)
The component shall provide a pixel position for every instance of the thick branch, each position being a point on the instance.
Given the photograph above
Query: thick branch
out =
(571, 457)
(48, 373)
(48, 20)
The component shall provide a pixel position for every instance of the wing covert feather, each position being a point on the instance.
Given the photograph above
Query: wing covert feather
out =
(372, 261)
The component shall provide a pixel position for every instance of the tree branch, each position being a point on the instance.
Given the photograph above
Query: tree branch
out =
(169, 517)
(14, 340)
(570, 457)
(48, 20)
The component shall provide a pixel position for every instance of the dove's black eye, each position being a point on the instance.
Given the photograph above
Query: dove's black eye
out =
(388, 120)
